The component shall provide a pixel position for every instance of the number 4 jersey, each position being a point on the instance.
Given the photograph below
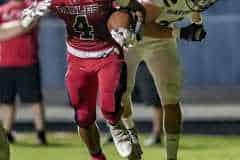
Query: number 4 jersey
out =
(86, 26)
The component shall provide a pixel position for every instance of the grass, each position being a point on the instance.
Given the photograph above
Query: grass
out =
(69, 147)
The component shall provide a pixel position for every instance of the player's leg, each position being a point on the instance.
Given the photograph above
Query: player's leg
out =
(7, 100)
(4, 151)
(150, 97)
(29, 89)
(166, 71)
(39, 122)
(91, 138)
(127, 118)
(155, 138)
(82, 89)
(9, 115)
(132, 60)
(112, 84)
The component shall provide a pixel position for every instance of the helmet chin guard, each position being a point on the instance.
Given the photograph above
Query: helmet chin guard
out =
(200, 5)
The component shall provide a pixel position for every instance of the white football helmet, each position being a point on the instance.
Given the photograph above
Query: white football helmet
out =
(200, 5)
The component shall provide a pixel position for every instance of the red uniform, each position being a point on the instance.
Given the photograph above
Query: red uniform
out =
(20, 51)
(94, 61)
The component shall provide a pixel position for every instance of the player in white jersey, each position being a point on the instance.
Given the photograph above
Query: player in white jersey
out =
(159, 51)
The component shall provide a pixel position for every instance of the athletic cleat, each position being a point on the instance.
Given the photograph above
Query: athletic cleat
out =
(121, 140)
(133, 135)
(10, 137)
(153, 140)
(137, 150)
(41, 138)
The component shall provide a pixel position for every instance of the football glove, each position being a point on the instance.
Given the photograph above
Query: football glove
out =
(35, 11)
(124, 37)
(193, 32)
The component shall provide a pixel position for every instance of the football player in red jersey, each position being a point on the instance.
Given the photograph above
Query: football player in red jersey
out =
(19, 67)
(95, 64)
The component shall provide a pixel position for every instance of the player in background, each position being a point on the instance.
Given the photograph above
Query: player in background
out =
(9, 30)
(159, 51)
(148, 93)
(19, 67)
(95, 63)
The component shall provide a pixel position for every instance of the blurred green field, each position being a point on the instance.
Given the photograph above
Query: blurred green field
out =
(69, 147)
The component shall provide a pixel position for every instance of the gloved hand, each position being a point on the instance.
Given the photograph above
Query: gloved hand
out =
(34, 12)
(124, 37)
(193, 32)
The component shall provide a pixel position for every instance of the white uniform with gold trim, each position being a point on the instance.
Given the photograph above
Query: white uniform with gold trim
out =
(160, 55)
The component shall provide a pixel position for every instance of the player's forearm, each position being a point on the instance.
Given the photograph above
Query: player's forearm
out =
(156, 31)
(11, 29)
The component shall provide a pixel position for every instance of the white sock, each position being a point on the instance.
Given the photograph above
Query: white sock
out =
(171, 144)
(128, 122)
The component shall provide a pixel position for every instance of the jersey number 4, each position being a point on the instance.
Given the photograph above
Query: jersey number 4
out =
(82, 26)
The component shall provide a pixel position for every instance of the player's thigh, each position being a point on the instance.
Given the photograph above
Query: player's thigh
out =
(112, 79)
(146, 86)
(80, 85)
(166, 71)
(7, 85)
(82, 91)
(29, 84)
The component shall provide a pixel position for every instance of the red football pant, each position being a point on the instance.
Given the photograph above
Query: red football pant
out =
(85, 77)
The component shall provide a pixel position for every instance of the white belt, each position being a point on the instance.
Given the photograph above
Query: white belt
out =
(91, 54)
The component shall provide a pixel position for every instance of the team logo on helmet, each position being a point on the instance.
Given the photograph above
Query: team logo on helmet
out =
(200, 5)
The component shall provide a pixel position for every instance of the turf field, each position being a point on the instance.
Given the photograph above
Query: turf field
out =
(69, 147)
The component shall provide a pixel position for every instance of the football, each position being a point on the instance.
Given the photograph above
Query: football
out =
(152, 11)
(118, 19)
